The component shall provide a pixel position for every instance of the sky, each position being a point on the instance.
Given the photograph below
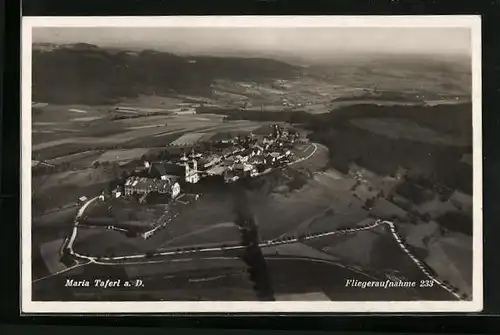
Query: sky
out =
(306, 42)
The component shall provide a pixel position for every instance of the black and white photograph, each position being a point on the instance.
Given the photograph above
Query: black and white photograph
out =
(251, 164)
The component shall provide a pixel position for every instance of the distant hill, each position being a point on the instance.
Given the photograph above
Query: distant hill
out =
(425, 74)
(85, 73)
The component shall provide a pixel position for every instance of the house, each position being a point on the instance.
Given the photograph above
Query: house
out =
(244, 155)
(231, 176)
(216, 170)
(257, 149)
(242, 158)
(226, 152)
(194, 155)
(254, 172)
(243, 167)
(82, 200)
(268, 140)
(257, 160)
(237, 149)
(209, 161)
(277, 156)
(143, 186)
(116, 193)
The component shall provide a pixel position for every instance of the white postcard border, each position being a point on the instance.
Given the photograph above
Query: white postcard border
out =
(467, 21)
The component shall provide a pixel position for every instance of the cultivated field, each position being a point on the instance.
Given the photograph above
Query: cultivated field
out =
(221, 233)
(77, 178)
(50, 142)
(305, 197)
(182, 264)
(451, 258)
(81, 159)
(59, 190)
(152, 101)
(51, 256)
(188, 139)
(122, 156)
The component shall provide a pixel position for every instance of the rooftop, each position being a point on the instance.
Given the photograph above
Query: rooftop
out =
(228, 161)
(148, 183)
(216, 170)
(257, 159)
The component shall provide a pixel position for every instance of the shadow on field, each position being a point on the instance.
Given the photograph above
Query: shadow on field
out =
(252, 255)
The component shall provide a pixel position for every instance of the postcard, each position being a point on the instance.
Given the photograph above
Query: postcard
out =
(251, 164)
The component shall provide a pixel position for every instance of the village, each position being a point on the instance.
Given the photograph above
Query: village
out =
(228, 160)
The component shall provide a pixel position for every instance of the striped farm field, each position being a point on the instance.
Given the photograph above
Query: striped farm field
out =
(188, 139)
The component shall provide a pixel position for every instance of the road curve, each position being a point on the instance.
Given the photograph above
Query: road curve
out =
(307, 157)
(69, 244)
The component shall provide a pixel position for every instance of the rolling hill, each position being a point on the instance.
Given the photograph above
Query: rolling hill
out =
(85, 73)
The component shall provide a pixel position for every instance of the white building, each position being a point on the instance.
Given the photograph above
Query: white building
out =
(142, 186)
(192, 176)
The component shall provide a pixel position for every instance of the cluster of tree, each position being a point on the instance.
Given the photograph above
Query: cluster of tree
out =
(415, 216)
(384, 155)
(122, 116)
(279, 116)
(382, 96)
(120, 179)
(369, 203)
(456, 222)
(451, 119)
(106, 165)
(157, 155)
(414, 192)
